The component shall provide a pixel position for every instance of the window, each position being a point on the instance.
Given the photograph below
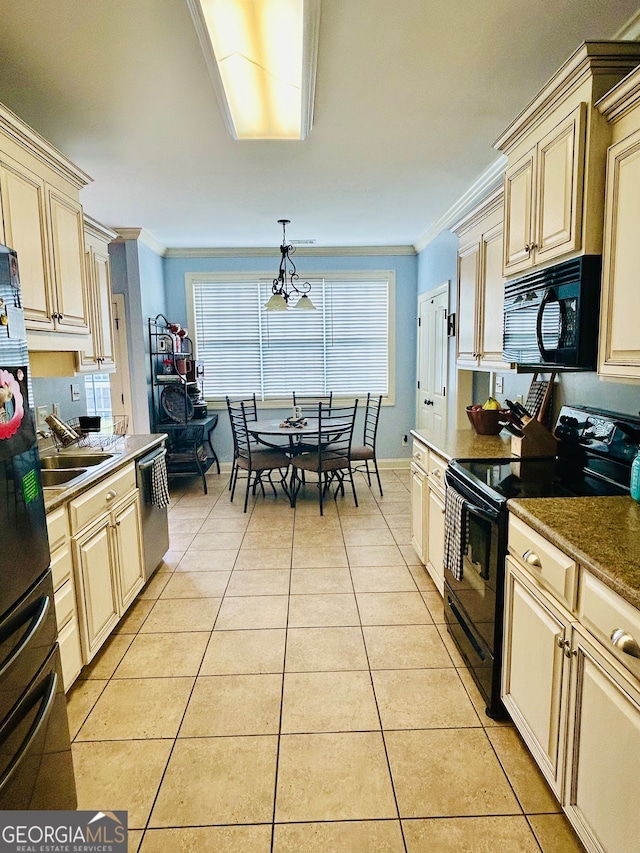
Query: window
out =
(344, 346)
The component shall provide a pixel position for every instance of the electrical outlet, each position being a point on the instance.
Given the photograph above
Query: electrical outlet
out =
(499, 384)
(55, 409)
(75, 391)
(519, 399)
(405, 439)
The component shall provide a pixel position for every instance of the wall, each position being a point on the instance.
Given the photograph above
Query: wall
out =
(396, 420)
(57, 389)
(137, 273)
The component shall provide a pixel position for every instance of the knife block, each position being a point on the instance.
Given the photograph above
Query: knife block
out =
(536, 440)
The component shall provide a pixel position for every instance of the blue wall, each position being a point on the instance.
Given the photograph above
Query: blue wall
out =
(396, 420)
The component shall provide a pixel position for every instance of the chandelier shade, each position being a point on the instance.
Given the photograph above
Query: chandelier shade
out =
(287, 284)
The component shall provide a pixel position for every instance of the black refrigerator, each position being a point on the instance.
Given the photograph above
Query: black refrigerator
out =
(36, 769)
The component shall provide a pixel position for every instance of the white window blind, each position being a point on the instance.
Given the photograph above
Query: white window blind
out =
(342, 347)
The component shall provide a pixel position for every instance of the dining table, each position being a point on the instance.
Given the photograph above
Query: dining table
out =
(271, 431)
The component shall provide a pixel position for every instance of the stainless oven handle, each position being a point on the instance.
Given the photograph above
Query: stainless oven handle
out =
(148, 462)
(487, 514)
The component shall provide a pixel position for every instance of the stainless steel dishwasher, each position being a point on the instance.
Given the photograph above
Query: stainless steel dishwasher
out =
(155, 527)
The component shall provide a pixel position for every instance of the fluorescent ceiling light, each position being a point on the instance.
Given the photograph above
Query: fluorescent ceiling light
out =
(261, 55)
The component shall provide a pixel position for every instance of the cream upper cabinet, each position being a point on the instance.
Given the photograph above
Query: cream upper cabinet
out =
(619, 353)
(543, 197)
(554, 181)
(481, 287)
(98, 354)
(43, 222)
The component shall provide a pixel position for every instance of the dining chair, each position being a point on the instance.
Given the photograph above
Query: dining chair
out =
(251, 411)
(252, 458)
(366, 452)
(309, 404)
(331, 458)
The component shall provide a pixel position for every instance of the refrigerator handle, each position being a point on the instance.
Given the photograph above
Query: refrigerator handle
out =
(48, 691)
(37, 620)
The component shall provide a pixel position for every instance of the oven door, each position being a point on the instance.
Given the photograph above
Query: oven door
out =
(474, 603)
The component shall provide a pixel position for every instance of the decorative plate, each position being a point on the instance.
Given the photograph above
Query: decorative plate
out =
(177, 405)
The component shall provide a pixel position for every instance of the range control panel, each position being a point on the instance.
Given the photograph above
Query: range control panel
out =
(612, 435)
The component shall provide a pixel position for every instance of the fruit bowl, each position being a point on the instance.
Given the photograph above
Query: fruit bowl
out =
(485, 421)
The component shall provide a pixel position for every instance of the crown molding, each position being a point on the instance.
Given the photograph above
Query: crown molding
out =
(143, 237)
(308, 251)
(621, 99)
(590, 61)
(20, 132)
(488, 182)
(99, 229)
(631, 30)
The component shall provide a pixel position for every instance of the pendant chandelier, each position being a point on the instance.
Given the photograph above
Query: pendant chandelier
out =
(287, 283)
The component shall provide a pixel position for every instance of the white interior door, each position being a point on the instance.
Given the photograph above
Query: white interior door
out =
(431, 406)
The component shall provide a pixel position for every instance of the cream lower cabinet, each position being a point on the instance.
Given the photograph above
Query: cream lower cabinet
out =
(535, 670)
(576, 705)
(107, 550)
(427, 510)
(604, 742)
(64, 596)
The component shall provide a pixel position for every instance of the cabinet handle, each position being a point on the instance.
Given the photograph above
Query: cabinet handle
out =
(111, 494)
(624, 641)
(532, 559)
(437, 473)
(565, 645)
(527, 247)
(533, 246)
(417, 455)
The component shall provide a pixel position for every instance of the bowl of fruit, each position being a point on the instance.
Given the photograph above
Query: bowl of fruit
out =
(486, 419)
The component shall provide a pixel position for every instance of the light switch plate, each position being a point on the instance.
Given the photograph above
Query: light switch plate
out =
(75, 391)
(41, 414)
(499, 384)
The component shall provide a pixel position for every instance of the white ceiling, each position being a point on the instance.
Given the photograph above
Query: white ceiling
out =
(410, 96)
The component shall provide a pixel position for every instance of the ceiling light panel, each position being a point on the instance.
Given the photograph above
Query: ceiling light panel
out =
(261, 55)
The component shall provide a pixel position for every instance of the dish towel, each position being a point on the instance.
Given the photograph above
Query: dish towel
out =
(455, 533)
(159, 483)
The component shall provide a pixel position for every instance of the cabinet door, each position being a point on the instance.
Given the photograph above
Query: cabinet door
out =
(468, 307)
(67, 240)
(97, 594)
(435, 539)
(128, 541)
(98, 355)
(560, 165)
(619, 343)
(534, 671)
(418, 512)
(518, 214)
(24, 213)
(493, 300)
(70, 653)
(604, 742)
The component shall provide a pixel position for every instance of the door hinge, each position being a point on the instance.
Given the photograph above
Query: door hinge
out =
(418, 383)
(419, 321)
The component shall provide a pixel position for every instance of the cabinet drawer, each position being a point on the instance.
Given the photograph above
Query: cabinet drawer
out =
(65, 602)
(604, 612)
(420, 455)
(61, 566)
(437, 469)
(551, 566)
(95, 502)
(57, 527)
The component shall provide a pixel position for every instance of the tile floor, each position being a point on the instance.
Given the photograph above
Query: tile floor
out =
(285, 683)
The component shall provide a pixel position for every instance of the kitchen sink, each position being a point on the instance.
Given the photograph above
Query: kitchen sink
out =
(74, 460)
(52, 477)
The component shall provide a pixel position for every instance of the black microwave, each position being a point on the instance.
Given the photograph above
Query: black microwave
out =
(551, 316)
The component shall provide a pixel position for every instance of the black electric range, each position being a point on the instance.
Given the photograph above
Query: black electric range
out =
(595, 452)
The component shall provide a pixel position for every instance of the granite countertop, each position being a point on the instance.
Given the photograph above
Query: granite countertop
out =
(125, 450)
(465, 443)
(601, 533)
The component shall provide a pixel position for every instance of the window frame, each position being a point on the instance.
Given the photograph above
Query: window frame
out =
(388, 276)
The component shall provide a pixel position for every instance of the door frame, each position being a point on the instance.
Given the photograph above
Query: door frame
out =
(427, 296)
